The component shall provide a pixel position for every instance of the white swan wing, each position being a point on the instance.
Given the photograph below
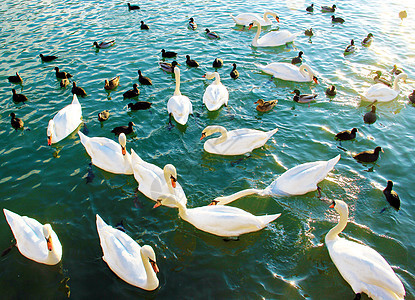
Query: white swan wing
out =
(247, 18)
(226, 220)
(380, 92)
(180, 107)
(302, 178)
(107, 154)
(284, 71)
(122, 254)
(67, 120)
(365, 269)
(215, 96)
(277, 38)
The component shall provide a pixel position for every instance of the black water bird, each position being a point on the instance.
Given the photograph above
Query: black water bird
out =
(412, 97)
(370, 117)
(309, 32)
(124, 129)
(90, 176)
(331, 91)
(368, 156)
(78, 90)
(144, 26)
(391, 196)
(191, 62)
(143, 79)
(15, 78)
(140, 105)
(16, 122)
(346, 135)
(310, 8)
(47, 58)
(337, 19)
(297, 59)
(133, 7)
(132, 93)
(168, 54)
(217, 63)
(61, 74)
(18, 97)
(328, 8)
(234, 73)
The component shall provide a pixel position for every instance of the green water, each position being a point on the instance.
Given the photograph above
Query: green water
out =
(287, 259)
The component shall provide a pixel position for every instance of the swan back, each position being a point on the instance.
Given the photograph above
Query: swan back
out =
(216, 94)
(178, 105)
(31, 237)
(289, 72)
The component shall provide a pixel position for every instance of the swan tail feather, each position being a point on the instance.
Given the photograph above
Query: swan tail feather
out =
(75, 100)
(228, 199)
(272, 132)
(233, 18)
(135, 158)
(332, 162)
(268, 218)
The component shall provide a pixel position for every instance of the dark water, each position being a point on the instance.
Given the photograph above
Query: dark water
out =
(286, 260)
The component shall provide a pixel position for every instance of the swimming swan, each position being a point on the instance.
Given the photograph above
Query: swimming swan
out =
(246, 18)
(361, 266)
(153, 181)
(225, 221)
(64, 122)
(235, 142)
(178, 105)
(295, 181)
(382, 93)
(216, 94)
(107, 154)
(273, 38)
(289, 72)
(134, 264)
(35, 241)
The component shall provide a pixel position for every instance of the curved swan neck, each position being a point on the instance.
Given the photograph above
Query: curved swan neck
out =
(167, 177)
(182, 210)
(177, 75)
(258, 32)
(151, 275)
(334, 232)
(305, 70)
(395, 82)
(222, 131)
(228, 199)
(217, 78)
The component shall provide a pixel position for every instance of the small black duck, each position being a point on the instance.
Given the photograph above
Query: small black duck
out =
(211, 34)
(391, 196)
(370, 117)
(304, 98)
(217, 63)
(64, 82)
(192, 24)
(123, 129)
(135, 92)
(367, 40)
(328, 8)
(310, 8)
(78, 90)
(140, 105)
(309, 32)
(234, 73)
(168, 67)
(331, 91)
(17, 123)
(168, 54)
(112, 83)
(47, 58)
(337, 20)
(264, 106)
(412, 97)
(144, 26)
(346, 135)
(104, 45)
(18, 97)
(297, 59)
(133, 7)
(61, 74)
(143, 79)
(368, 156)
(15, 78)
(103, 115)
(191, 62)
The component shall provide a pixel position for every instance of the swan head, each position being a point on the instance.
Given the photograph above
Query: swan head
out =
(148, 252)
(340, 206)
(122, 139)
(50, 131)
(167, 199)
(209, 130)
(176, 70)
(254, 22)
(209, 75)
(47, 229)
(170, 174)
(315, 79)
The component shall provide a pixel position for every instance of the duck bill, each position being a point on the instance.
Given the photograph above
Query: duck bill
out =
(158, 203)
(49, 243)
(49, 140)
(278, 19)
(250, 26)
(155, 267)
(292, 92)
(123, 151)
(203, 136)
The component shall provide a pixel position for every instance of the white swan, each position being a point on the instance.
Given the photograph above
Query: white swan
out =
(107, 154)
(361, 266)
(134, 264)
(178, 105)
(273, 38)
(246, 18)
(216, 94)
(295, 181)
(153, 181)
(226, 221)
(289, 72)
(65, 122)
(382, 93)
(235, 142)
(35, 241)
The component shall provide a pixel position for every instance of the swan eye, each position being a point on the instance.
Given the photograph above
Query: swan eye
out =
(332, 204)
(203, 135)
(172, 178)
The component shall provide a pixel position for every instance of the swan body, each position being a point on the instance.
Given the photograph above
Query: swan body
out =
(225, 221)
(35, 241)
(179, 105)
(154, 181)
(235, 142)
(134, 264)
(246, 18)
(382, 93)
(361, 266)
(296, 181)
(273, 38)
(107, 154)
(64, 122)
(289, 72)
(216, 94)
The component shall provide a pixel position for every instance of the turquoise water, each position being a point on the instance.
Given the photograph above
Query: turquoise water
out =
(287, 259)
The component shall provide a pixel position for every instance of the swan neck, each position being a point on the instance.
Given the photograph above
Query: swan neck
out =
(334, 232)
(237, 195)
(167, 175)
(217, 78)
(151, 275)
(223, 137)
(305, 70)
(258, 32)
(177, 90)
(182, 210)
(395, 82)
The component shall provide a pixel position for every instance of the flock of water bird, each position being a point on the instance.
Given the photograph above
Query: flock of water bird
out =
(361, 266)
